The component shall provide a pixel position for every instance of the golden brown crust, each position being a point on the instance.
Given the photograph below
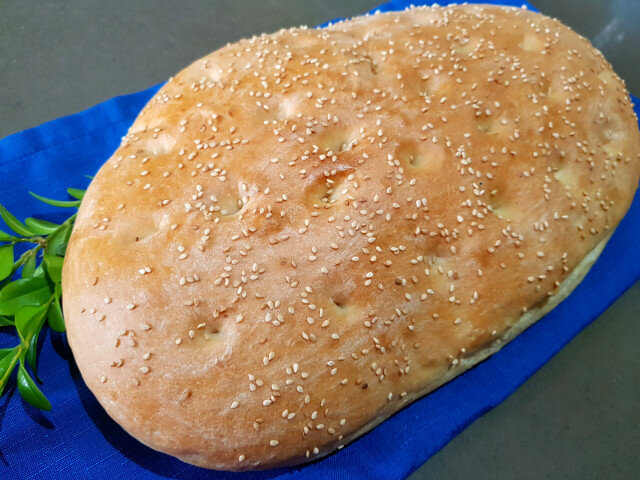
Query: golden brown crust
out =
(302, 231)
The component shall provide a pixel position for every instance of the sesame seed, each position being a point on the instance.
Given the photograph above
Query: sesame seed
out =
(371, 201)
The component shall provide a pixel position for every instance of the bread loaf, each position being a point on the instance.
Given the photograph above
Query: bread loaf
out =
(303, 232)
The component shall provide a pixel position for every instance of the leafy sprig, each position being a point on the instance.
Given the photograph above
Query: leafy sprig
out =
(33, 300)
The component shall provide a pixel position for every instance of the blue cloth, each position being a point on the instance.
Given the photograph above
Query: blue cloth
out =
(77, 439)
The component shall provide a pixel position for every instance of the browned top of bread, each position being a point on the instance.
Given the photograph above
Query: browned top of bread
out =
(302, 230)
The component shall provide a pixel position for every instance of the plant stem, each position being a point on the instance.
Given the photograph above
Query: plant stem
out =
(23, 346)
(35, 240)
(4, 378)
(25, 256)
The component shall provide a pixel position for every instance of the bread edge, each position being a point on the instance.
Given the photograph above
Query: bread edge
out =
(525, 321)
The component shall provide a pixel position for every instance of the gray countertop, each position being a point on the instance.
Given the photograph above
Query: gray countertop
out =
(578, 417)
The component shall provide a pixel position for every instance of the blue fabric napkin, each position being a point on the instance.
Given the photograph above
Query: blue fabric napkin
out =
(78, 440)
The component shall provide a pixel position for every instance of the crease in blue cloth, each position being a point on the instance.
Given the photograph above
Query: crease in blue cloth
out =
(77, 440)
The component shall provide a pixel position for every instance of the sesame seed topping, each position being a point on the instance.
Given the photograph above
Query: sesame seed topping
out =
(348, 198)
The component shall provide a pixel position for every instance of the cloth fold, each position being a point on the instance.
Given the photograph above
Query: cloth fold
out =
(78, 440)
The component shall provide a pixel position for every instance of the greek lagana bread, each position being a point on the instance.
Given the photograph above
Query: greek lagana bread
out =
(303, 232)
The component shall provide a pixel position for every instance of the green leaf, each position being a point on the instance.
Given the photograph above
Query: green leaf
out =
(27, 291)
(55, 319)
(56, 203)
(29, 321)
(76, 193)
(6, 361)
(53, 265)
(32, 356)
(5, 364)
(5, 237)
(14, 224)
(57, 241)
(3, 353)
(30, 392)
(39, 271)
(61, 251)
(29, 267)
(28, 303)
(41, 227)
(6, 261)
